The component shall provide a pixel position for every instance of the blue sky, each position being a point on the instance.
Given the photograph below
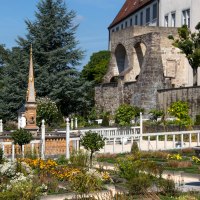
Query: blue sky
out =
(94, 16)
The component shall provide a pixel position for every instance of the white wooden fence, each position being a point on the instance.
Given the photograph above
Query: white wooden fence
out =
(120, 140)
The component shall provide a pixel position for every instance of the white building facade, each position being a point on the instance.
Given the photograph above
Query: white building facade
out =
(163, 13)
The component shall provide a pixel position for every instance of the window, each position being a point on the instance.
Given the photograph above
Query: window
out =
(136, 20)
(122, 26)
(141, 18)
(125, 24)
(173, 18)
(117, 28)
(113, 30)
(131, 22)
(147, 15)
(186, 17)
(166, 21)
(155, 11)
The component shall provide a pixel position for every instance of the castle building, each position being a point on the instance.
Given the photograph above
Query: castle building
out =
(145, 69)
(162, 13)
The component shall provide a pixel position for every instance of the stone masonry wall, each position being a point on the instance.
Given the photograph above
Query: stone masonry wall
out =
(151, 64)
(189, 94)
(107, 97)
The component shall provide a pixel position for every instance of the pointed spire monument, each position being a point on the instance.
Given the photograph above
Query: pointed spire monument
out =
(31, 105)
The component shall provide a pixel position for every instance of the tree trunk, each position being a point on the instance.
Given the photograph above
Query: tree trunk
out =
(194, 76)
(91, 159)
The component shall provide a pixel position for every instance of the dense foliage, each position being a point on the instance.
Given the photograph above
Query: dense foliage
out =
(180, 110)
(55, 55)
(155, 114)
(92, 142)
(21, 137)
(125, 113)
(189, 43)
(97, 66)
(47, 110)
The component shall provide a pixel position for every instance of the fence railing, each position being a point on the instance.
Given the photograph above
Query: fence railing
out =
(117, 139)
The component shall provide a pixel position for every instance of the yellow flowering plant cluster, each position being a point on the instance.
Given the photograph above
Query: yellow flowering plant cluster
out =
(106, 176)
(40, 164)
(196, 159)
(174, 157)
(50, 167)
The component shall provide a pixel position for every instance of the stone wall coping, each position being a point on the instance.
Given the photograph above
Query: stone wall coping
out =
(180, 88)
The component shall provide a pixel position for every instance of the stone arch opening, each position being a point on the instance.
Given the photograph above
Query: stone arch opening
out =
(138, 58)
(121, 58)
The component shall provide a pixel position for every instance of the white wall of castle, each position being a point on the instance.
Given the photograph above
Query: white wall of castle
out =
(175, 13)
(171, 13)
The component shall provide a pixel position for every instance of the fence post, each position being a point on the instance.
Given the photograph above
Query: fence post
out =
(19, 122)
(165, 142)
(67, 138)
(141, 126)
(43, 140)
(182, 141)
(190, 139)
(114, 140)
(157, 139)
(76, 123)
(1, 126)
(174, 141)
(22, 151)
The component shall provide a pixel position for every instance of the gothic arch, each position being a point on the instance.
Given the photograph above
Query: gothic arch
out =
(121, 58)
(138, 57)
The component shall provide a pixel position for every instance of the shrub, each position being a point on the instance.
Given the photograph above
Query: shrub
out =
(125, 113)
(105, 121)
(79, 159)
(155, 114)
(134, 148)
(140, 184)
(85, 182)
(180, 110)
(61, 160)
(197, 121)
(47, 110)
(166, 187)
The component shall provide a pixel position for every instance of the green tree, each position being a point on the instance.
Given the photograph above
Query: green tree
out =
(14, 80)
(180, 110)
(21, 137)
(125, 113)
(92, 142)
(55, 55)
(189, 44)
(97, 66)
(47, 110)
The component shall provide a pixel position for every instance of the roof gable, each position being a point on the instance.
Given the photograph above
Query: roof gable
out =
(129, 7)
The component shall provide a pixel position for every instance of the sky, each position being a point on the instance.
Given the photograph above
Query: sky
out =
(93, 17)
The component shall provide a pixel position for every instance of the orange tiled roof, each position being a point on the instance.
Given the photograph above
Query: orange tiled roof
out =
(129, 7)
